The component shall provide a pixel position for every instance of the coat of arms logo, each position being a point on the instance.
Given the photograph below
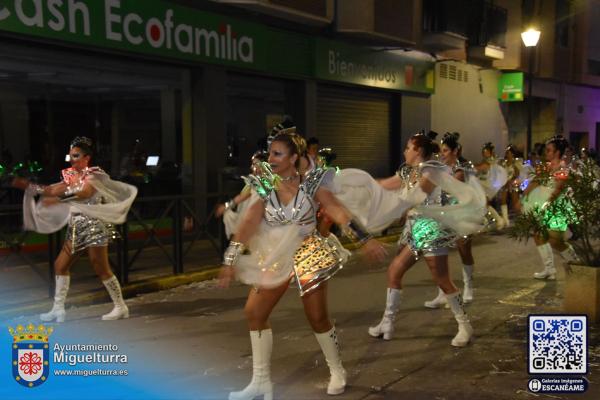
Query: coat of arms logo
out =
(30, 354)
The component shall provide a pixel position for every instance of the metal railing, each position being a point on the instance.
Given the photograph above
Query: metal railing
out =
(171, 225)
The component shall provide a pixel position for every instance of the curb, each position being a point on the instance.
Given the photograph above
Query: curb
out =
(129, 291)
(140, 287)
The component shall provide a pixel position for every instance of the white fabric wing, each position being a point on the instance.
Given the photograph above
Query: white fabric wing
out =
(42, 219)
(467, 216)
(231, 218)
(47, 219)
(496, 179)
(375, 207)
(118, 196)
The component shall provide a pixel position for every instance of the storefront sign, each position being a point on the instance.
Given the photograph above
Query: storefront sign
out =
(510, 87)
(142, 26)
(158, 28)
(369, 67)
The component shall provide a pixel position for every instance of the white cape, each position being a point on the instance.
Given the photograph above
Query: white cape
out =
(118, 197)
(465, 217)
(375, 207)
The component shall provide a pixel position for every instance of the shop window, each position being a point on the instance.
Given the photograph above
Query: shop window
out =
(129, 111)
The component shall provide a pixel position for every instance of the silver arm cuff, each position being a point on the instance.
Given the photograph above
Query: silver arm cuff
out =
(72, 190)
(231, 205)
(35, 189)
(356, 232)
(232, 253)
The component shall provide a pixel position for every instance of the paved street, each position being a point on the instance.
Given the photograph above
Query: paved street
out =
(195, 336)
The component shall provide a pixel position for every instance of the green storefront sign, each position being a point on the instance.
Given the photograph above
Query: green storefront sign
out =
(510, 87)
(158, 28)
(140, 26)
(370, 67)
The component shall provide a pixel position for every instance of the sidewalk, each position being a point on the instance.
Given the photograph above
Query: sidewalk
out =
(24, 290)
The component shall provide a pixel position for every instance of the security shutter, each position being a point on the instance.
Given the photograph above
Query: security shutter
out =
(356, 124)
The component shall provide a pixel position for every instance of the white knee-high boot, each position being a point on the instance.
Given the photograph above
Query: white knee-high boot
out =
(330, 347)
(465, 330)
(120, 309)
(467, 271)
(547, 256)
(60, 296)
(260, 385)
(439, 301)
(569, 255)
(504, 209)
(386, 325)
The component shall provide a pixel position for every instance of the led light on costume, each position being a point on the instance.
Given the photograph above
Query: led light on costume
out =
(436, 223)
(423, 234)
(559, 214)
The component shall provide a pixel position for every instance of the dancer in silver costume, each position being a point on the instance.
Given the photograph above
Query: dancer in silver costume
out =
(514, 167)
(89, 203)
(276, 241)
(547, 190)
(492, 177)
(430, 229)
(462, 170)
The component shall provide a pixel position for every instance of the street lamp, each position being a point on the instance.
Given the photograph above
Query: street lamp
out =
(530, 39)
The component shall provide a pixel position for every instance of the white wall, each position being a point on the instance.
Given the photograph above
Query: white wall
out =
(584, 118)
(577, 106)
(463, 107)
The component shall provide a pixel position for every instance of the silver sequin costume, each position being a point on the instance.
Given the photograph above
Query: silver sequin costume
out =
(270, 261)
(425, 236)
(84, 231)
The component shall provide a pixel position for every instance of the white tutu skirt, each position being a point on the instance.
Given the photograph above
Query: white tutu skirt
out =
(536, 198)
(270, 261)
(496, 179)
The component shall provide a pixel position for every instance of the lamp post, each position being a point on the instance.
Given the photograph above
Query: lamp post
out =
(530, 39)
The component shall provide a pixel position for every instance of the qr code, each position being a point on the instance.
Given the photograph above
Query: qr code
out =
(557, 344)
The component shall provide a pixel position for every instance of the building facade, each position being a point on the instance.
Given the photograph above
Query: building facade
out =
(199, 83)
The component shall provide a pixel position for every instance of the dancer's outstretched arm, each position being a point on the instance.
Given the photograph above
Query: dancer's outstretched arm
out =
(332, 207)
(233, 203)
(50, 190)
(391, 183)
(61, 192)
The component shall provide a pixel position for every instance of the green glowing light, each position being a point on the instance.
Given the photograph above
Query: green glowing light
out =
(559, 215)
(425, 232)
